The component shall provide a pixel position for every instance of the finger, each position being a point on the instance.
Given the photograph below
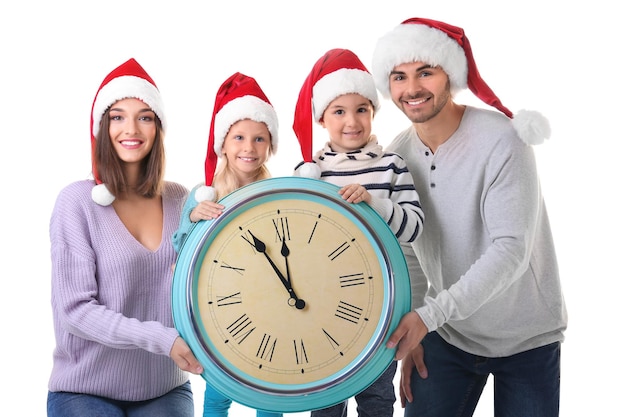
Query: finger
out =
(405, 378)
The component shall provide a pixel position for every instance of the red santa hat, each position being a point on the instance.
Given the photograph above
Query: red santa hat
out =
(129, 80)
(239, 97)
(440, 44)
(337, 72)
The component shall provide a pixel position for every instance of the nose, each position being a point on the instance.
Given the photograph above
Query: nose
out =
(414, 85)
(131, 126)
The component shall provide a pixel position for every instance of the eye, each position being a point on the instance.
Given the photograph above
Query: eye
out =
(339, 112)
(259, 139)
(238, 137)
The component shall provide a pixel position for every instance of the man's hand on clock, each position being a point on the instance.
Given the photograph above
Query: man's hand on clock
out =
(260, 247)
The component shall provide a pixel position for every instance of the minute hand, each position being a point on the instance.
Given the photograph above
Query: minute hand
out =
(260, 247)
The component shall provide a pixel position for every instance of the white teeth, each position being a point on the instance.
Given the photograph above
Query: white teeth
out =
(415, 103)
(131, 142)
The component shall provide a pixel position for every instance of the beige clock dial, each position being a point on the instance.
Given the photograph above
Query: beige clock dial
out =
(290, 292)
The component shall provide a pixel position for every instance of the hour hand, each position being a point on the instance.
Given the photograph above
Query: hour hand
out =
(260, 247)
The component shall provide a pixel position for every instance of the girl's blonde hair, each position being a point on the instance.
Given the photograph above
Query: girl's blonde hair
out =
(225, 180)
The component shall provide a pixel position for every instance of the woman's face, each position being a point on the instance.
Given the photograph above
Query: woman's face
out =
(247, 147)
(132, 128)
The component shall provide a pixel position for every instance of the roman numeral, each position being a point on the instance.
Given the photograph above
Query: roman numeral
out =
(351, 280)
(348, 312)
(266, 348)
(232, 268)
(300, 351)
(313, 230)
(331, 340)
(241, 328)
(227, 300)
(281, 225)
(341, 249)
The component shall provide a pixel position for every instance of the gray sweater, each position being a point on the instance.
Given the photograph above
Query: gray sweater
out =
(487, 249)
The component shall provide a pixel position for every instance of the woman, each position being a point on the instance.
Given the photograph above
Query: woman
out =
(117, 351)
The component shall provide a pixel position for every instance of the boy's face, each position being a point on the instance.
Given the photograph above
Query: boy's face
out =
(348, 120)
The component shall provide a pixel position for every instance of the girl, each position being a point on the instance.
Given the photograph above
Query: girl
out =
(244, 133)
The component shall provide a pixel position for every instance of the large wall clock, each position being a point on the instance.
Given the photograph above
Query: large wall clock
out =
(287, 299)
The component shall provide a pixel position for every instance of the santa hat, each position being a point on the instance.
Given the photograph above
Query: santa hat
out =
(337, 72)
(238, 98)
(129, 80)
(440, 44)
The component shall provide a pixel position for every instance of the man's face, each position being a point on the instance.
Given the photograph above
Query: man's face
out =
(420, 90)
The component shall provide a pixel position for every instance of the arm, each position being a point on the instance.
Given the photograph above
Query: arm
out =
(194, 211)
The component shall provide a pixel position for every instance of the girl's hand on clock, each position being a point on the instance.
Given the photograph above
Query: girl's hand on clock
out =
(355, 193)
(183, 357)
(206, 210)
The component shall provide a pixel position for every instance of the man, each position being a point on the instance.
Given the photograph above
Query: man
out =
(494, 304)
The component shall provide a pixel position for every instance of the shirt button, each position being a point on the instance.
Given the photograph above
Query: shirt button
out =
(432, 167)
(432, 185)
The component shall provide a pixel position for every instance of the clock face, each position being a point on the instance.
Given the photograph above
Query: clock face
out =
(288, 297)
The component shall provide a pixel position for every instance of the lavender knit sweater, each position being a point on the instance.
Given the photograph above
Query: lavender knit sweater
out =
(111, 300)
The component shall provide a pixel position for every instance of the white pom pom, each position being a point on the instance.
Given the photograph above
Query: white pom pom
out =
(309, 170)
(531, 126)
(100, 194)
(205, 193)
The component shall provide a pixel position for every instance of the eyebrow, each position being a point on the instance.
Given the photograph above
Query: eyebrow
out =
(423, 67)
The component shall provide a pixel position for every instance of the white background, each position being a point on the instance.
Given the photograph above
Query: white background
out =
(565, 61)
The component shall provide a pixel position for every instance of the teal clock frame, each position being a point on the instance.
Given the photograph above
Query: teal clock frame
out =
(248, 390)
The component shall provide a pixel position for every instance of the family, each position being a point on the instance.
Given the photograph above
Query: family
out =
(458, 186)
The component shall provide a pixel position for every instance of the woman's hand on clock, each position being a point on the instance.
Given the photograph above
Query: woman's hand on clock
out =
(260, 247)
(182, 356)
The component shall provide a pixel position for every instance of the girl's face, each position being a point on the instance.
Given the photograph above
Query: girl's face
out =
(247, 147)
(348, 120)
(132, 128)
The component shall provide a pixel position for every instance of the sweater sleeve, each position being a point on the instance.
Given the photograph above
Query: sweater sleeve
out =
(400, 208)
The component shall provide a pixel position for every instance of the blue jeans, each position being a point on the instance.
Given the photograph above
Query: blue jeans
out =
(178, 402)
(375, 401)
(217, 405)
(526, 384)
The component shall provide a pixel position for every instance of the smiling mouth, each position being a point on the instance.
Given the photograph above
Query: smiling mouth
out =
(416, 102)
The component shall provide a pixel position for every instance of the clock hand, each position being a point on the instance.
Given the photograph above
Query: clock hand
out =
(285, 252)
(260, 247)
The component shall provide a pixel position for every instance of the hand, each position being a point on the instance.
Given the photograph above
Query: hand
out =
(260, 247)
(408, 335)
(284, 250)
(183, 357)
(355, 193)
(414, 360)
(206, 210)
